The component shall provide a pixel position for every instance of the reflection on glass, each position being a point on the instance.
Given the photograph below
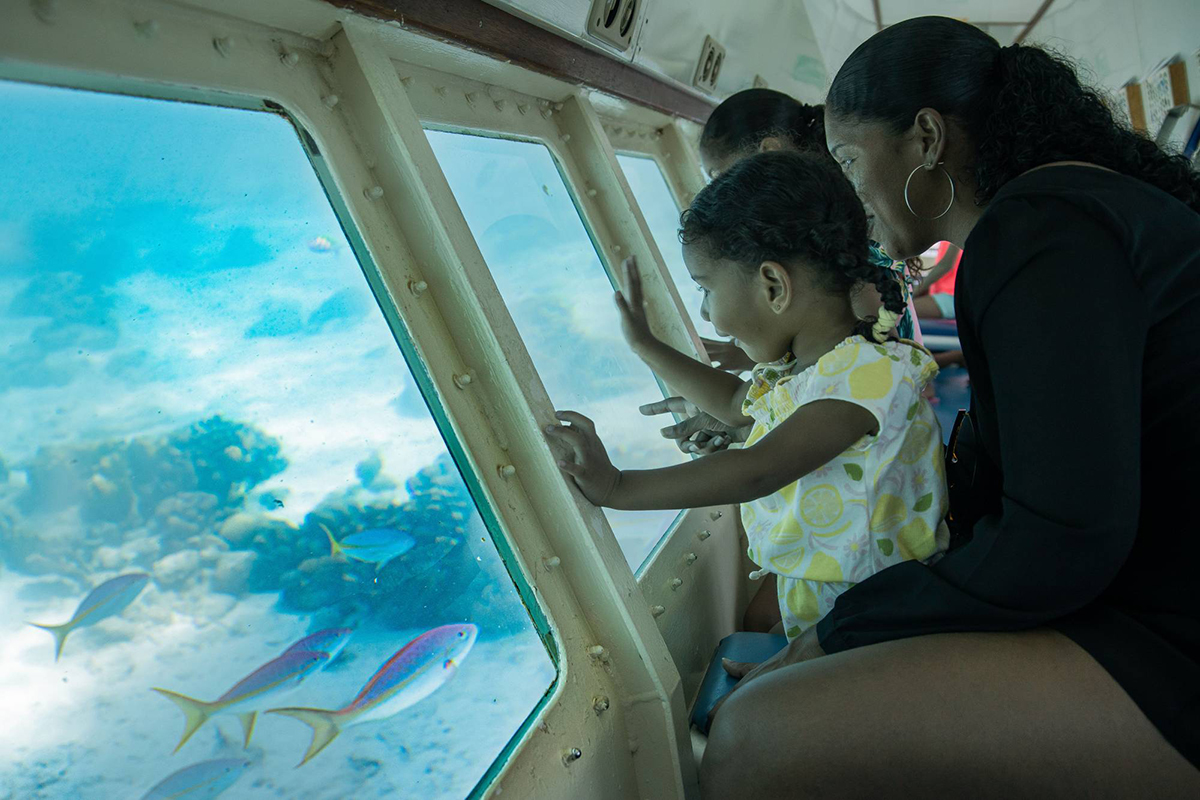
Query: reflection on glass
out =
(654, 198)
(219, 482)
(560, 298)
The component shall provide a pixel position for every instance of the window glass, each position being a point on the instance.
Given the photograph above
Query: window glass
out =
(221, 491)
(654, 198)
(560, 298)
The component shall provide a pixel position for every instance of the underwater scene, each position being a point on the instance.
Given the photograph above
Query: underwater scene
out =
(236, 556)
(561, 299)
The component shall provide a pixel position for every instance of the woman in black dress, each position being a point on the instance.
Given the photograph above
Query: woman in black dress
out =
(1055, 651)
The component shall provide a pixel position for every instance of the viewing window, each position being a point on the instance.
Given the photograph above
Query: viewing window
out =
(221, 491)
(560, 298)
(658, 207)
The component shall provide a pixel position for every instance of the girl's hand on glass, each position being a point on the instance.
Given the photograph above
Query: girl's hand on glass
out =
(587, 462)
(632, 307)
(699, 433)
(727, 355)
(803, 648)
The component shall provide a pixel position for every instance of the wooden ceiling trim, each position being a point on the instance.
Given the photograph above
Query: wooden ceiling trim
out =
(486, 29)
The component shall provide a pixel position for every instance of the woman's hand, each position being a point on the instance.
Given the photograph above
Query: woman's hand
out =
(727, 355)
(804, 648)
(699, 433)
(631, 305)
(589, 464)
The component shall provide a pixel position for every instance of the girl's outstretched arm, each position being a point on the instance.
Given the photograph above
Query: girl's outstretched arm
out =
(714, 391)
(808, 439)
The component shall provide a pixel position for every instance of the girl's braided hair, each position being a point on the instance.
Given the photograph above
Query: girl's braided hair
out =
(791, 207)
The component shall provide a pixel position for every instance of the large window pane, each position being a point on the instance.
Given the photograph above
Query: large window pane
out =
(560, 298)
(199, 393)
(662, 216)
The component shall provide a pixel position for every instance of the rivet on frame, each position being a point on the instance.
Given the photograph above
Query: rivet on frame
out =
(551, 562)
(406, 80)
(598, 652)
(330, 100)
(223, 45)
(441, 91)
(600, 704)
(507, 471)
(556, 106)
(591, 192)
(289, 58)
(147, 29)
(690, 558)
(702, 535)
(715, 515)
(657, 611)
(572, 755)
(418, 288)
(499, 104)
(616, 248)
(566, 137)
(471, 98)
(522, 108)
(617, 131)
(462, 380)
(676, 583)
(373, 192)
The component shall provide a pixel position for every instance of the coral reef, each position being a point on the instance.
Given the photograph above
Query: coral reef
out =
(183, 506)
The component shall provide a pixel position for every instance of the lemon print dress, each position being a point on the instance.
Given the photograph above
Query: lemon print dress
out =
(880, 502)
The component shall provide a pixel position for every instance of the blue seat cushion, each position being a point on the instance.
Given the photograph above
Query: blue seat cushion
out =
(717, 683)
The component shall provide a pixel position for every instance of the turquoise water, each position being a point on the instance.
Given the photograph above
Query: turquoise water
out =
(197, 381)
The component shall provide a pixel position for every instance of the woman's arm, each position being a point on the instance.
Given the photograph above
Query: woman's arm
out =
(714, 391)
(1068, 411)
(939, 271)
(812, 436)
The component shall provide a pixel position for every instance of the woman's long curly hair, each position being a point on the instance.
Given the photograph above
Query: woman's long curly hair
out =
(1021, 106)
(790, 208)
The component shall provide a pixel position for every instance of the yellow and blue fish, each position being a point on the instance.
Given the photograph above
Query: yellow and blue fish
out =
(330, 641)
(201, 781)
(105, 600)
(278, 674)
(413, 673)
(375, 546)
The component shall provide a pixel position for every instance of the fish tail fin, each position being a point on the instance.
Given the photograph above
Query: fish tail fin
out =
(324, 724)
(335, 549)
(195, 712)
(60, 635)
(247, 725)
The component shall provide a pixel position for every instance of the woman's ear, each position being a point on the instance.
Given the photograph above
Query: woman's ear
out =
(930, 129)
(777, 286)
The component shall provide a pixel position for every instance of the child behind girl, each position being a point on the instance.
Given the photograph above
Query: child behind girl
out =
(842, 474)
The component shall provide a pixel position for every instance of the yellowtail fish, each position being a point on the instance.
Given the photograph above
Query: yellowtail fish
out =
(277, 675)
(375, 546)
(413, 673)
(107, 599)
(199, 781)
(330, 641)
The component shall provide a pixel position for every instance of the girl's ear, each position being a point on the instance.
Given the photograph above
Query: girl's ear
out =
(777, 286)
(770, 143)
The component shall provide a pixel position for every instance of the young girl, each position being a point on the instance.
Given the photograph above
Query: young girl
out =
(842, 474)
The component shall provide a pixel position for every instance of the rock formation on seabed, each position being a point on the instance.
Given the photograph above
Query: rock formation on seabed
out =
(182, 507)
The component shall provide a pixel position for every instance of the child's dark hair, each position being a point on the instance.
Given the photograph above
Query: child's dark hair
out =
(744, 119)
(787, 207)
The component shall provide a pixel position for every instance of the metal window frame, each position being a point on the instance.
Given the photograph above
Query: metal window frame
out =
(345, 90)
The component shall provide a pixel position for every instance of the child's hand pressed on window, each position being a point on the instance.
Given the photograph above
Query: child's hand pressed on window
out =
(588, 463)
(631, 305)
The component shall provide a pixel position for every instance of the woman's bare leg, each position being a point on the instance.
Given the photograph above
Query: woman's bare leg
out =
(973, 715)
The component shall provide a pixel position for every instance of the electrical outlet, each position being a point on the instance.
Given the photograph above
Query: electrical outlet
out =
(613, 21)
(712, 55)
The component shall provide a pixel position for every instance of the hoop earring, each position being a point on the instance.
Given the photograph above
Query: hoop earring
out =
(908, 203)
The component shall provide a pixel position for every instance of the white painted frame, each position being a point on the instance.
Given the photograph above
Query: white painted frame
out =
(338, 76)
